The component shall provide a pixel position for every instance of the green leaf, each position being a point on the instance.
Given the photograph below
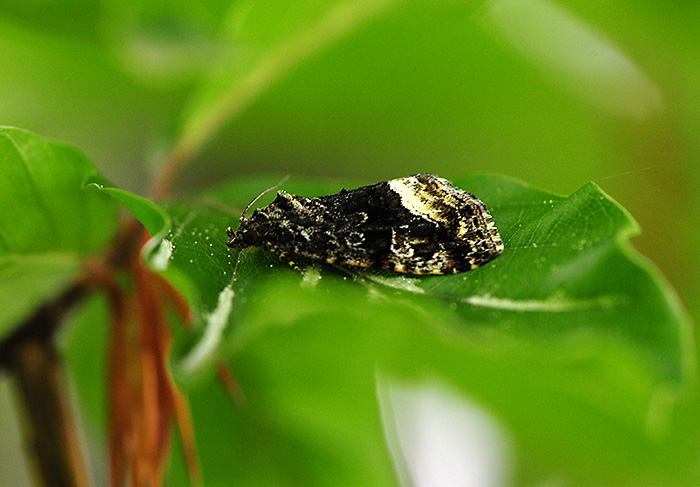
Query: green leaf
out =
(569, 336)
(148, 213)
(49, 224)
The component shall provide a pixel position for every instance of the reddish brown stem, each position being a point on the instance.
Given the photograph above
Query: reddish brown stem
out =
(29, 353)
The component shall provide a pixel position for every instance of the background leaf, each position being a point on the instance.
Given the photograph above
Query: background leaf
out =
(50, 223)
(569, 335)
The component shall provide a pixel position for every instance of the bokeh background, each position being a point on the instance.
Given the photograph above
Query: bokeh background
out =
(555, 93)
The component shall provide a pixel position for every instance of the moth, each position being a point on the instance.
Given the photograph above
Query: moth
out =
(419, 224)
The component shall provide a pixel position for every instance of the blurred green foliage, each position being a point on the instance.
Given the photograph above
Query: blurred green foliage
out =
(553, 93)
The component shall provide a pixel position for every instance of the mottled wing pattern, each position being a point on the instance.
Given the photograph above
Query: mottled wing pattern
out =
(463, 236)
(419, 224)
(350, 228)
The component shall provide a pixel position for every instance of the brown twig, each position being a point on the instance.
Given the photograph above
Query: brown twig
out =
(29, 353)
(49, 426)
(42, 324)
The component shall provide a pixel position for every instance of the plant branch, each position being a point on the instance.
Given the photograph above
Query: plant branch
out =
(41, 326)
(29, 353)
(49, 426)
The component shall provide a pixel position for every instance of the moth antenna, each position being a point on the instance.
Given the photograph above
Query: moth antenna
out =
(263, 193)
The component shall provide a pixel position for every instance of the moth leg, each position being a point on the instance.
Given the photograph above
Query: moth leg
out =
(289, 259)
(295, 266)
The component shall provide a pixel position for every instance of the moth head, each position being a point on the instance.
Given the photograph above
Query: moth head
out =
(249, 237)
(246, 236)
